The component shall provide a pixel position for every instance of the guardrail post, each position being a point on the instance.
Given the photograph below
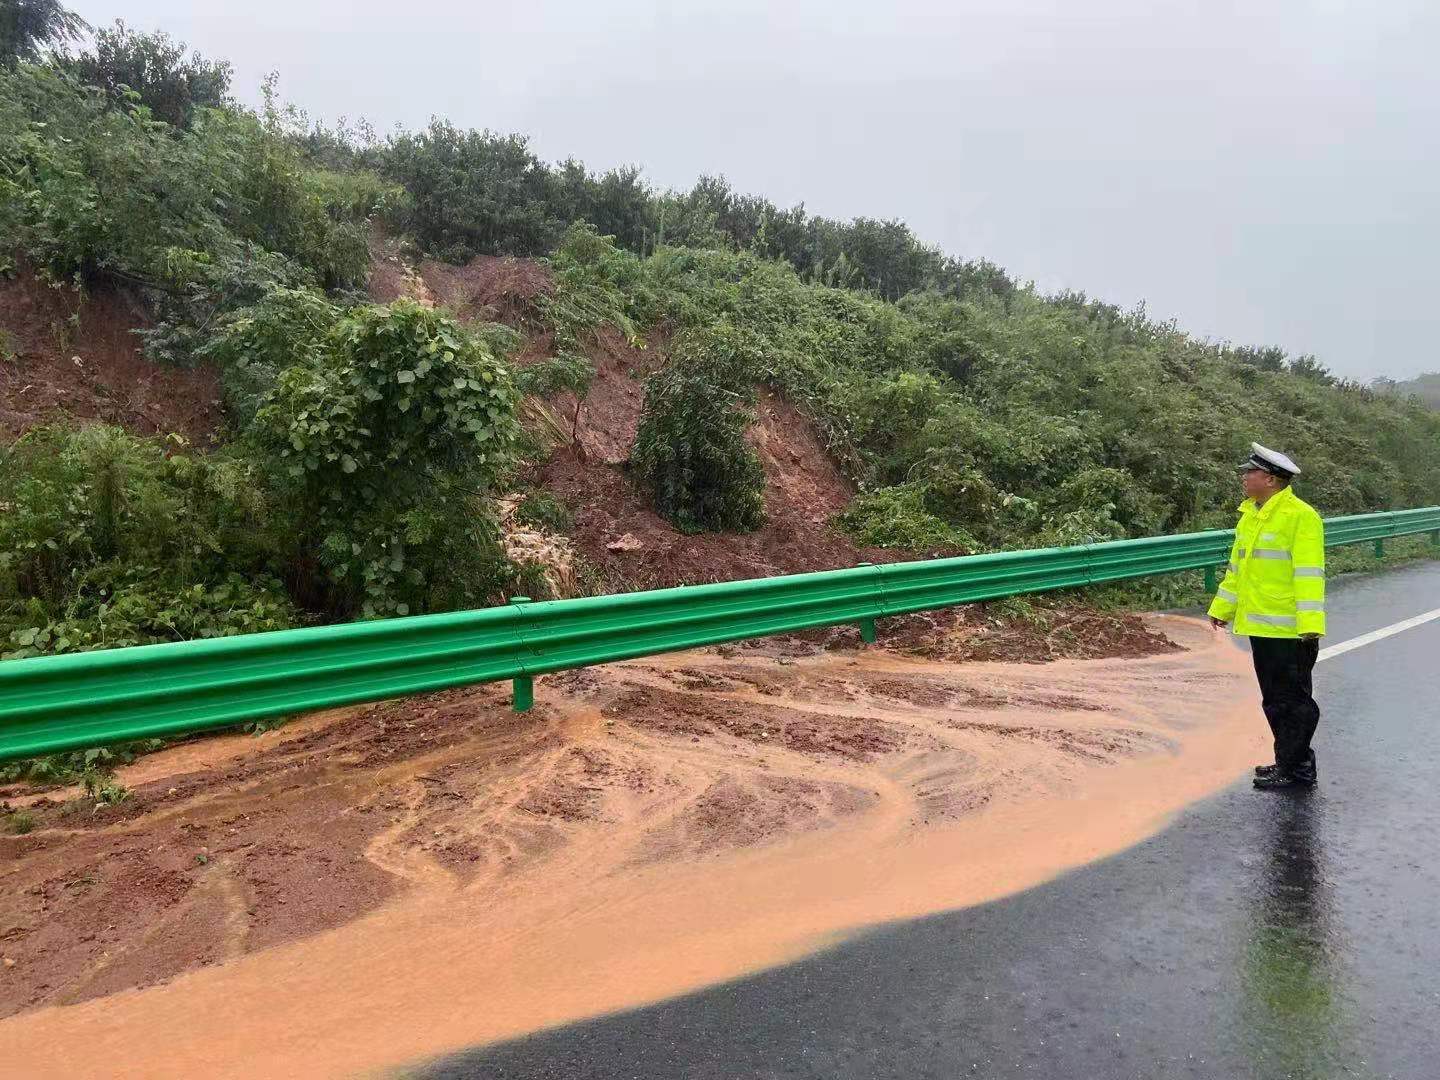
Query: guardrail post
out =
(1210, 583)
(522, 687)
(1435, 538)
(867, 626)
(1379, 547)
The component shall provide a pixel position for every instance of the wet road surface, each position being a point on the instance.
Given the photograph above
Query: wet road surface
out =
(1262, 935)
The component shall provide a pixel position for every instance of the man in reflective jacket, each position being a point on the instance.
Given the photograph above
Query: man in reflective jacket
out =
(1274, 594)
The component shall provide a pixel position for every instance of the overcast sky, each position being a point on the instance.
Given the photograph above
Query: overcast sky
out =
(1263, 171)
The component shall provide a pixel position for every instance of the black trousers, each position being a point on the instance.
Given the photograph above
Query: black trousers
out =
(1283, 666)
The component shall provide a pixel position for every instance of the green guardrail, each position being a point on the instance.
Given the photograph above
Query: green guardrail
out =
(54, 703)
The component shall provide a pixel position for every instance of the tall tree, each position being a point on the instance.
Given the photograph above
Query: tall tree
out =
(28, 27)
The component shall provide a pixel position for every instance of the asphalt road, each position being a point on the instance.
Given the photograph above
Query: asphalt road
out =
(1262, 935)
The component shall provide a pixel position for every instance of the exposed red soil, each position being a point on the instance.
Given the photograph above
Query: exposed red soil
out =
(75, 355)
(303, 832)
(609, 417)
(619, 534)
(651, 828)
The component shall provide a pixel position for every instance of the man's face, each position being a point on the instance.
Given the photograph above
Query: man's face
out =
(1257, 483)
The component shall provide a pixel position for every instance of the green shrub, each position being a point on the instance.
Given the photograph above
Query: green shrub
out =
(113, 540)
(473, 192)
(690, 449)
(142, 608)
(895, 517)
(91, 187)
(155, 70)
(545, 511)
(253, 345)
(387, 438)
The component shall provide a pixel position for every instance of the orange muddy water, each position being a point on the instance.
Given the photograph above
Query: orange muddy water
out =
(416, 878)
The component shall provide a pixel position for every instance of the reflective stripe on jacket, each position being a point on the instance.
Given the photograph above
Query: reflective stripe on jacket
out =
(1275, 584)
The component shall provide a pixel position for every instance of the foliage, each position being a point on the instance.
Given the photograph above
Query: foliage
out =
(595, 285)
(1424, 387)
(143, 609)
(543, 510)
(20, 822)
(386, 437)
(896, 517)
(29, 27)
(111, 540)
(690, 450)
(155, 70)
(207, 217)
(1033, 420)
(284, 327)
(555, 374)
(473, 192)
(101, 786)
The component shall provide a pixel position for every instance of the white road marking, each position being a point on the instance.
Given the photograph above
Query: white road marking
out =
(1378, 635)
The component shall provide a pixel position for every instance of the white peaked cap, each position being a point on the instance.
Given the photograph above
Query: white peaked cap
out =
(1264, 454)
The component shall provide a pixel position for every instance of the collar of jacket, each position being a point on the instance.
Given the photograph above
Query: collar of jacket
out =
(1283, 495)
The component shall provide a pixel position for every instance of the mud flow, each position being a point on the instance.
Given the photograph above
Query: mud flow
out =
(363, 889)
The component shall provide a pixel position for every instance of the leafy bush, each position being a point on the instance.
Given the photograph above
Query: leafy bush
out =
(112, 540)
(545, 511)
(253, 345)
(690, 450)
(387, 437)
(473, 192)
(154, 69)
(142, 608)
(89, 188)
(895, 517)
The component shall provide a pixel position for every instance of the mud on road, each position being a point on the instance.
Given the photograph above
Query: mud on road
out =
(623, 783)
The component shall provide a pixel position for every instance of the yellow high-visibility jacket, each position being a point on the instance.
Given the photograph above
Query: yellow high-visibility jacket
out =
(1275, 585)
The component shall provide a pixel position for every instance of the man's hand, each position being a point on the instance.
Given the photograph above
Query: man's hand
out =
(1309, 637)
(1218, 624)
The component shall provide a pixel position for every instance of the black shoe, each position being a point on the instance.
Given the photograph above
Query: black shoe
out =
(1307, 773)
(1281, 781)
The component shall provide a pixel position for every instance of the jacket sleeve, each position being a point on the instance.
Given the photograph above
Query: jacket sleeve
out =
(1226, 598)
(1308, 559)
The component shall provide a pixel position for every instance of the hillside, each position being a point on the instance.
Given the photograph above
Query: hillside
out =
(615, 530)
(70, 359)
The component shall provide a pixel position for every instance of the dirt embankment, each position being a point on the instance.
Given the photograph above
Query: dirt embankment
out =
(67, 354)
(616, 531)
(429, 873)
